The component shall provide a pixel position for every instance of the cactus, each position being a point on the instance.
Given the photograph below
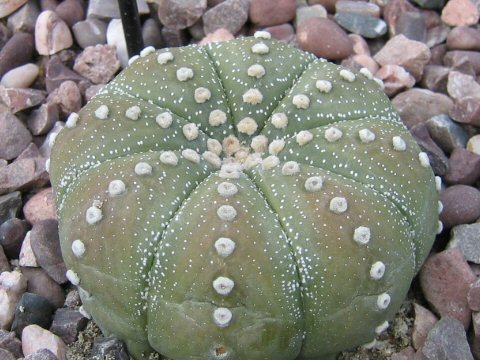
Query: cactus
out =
(242, 200)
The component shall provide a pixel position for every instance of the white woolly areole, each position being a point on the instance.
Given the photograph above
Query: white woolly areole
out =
(276, 146)
(438, 183)
(313, 183)
(191, 155)
(259, 143)
(301, 101)
(230, 171)
(72, 276)
(84, 312)
(47, 165)
(93, 215)
(164, 57)
(439, 227)
(222, 317)
(366, 136)
(333, 134)
(169, 158)
(212, 158)
(231, 145)
(201, 95)
(347, 75)
(304, 137)
(147, 51)
(424, 160)
(51, 139)
(338, 205)
(440, 207)
(324, 86)
(190, 131)
(252, 96)
(290, 168)
(399, 144)
(382, 327)
(247, 126)
(224, 246)
(361, 235)
(227, 189)
(256, 71)
(226, 213)
(252, 160)
(116, 187)
(367, 73)
(242, 154)
(72, 120)
(217, 118)
(270, 162)
(78, 248)
(370, 345)
(133, 113)
(102, 112)
(379, 82)
(184, 74)
(377, 270)
(223, 285)
(279, 120)
(164, 120)
(383, 300)
(214, 146)
(133, 59)
(142, 168)
(262, 35)
(260, 48)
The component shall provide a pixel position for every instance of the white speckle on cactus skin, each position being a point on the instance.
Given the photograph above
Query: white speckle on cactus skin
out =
(260, 48)
(164, 58)
(383, 300)
(227, 213)
(223, 285)
(116, 188)
(301, 101)
(217, 118)
(72, 276)
(227, 189)
(324, 86)
(202, 95)
(424, 160)
(214, 146)
(102, 112)
(279, 120)
(190, 131)
(338, 205)
(72, 120)
(224, 246)
(382, 327)
(133, 113)
(270, 162)
(399, 144)
(304, 137)
(259, 143)
(93, 215)
(169, 158)
(78, 248)
(164, 120)
(276, 146)
(333, 134)
(143, 168)
(212, 158)
(191, 155)
(362, 235)
(262, 35)
(184, 74)
(256, 71)
(147, 51)
(290, 168)
(314, 184)
(347, 75)
(247, 126)
(222, 317)
(366, 136)
(252, 97)
(377, 270)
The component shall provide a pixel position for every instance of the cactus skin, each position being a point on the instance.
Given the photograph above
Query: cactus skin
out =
(271, 265)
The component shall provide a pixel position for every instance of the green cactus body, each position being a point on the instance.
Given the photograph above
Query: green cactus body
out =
(242, 200)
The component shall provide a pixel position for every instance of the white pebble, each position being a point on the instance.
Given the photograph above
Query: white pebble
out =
(247, 126)
(259, 143)
(377, 270)
(184, 74)
(324, 86)
(222, 317)
(347, 75)
(164, 120)
(164, 57)
(191, 155)
(102, 112)
(227, 212)
(366, 136)
(169, 158)
(270, 162)
(304, 137)
(382, 327)
(20, 77)
(227, 189)
(224, 246)
(142, 168)
(116, 187)
(301, 101)
(223, 285)
(217, 118)
(313, 183)
(147, 51)
(93, 215)
(133, 113)
(276, 146)
(262, 35)
(290, 168)
(212, 158)
(72, 120)
(260, 48)
(279, 120)
(202, 95)
(78, 248)
(399, 144)
(252, 96)
(190, 131)
(256, 71)
(214, 146)
(383, 301)
(361, 235)
(338, 205)
(333, 134)
(424, 160)
(72, 276)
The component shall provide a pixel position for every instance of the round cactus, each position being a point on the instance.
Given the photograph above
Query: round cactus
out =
(242, 200)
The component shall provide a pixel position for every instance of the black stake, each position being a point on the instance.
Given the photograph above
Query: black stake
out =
(131, 26)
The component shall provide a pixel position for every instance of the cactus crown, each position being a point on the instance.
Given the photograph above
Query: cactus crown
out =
(242, 200)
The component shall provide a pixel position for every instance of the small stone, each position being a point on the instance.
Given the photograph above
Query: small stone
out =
(217, 36)
(40, 207)
(32, 309)
(412, 25)
(20, 99)
(393, 10)
(180, 14)
(151, 34)
(109, 9)
(461, 205)
(41, 120)
(12, 233)
(437, 35)
(466, 238)
(358, 7)
(73, 299)
(360, 45)
(67, 323)
(174, 37)
(51, 34)
(467, 111)
(463, 167)
(14, 136)
(362, 24)
(16, 52)
(24, 18)
(324, 38)
(20, 77)
(21, 174)
(4, 263)
(283, 32)
(90, 32)
(41, 284)
(463, 38)
(308, 12)
(395, 79)
(97, 63)
(42, 354)
(424, 322)
(473, 144)
(436, 156)
(447, 340)
(445, 279)
(71, 11)
(57, 73)
(446, 133)
(6, 355)
(435, 78)
(473, 296)
(8, 7)
(93, 90)
(116, 37)
(410, 54)
(67, 97)
(9, 341)
(460, 13)
(109, 347)
(456, 58)
(12, 285)
(35, 338)
(230, 15)
(460, 85)
(268, 13)
(27, 257)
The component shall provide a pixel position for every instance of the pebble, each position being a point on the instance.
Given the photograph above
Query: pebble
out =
(473, 144)
(6, 355)
(42, 354)
(463, 38)
(41, 120)
(32, 309)
(466, 238)
(460, 85)
(116, 37)
(360, 45)
(51, 34)
(20, 77)
(180, 14)
(97, 63)
(284, 32)
(268, 13)
(4, 263)
(393, 10)
(9, 6)
(362, 24)
(10, 342)
(460, 13)
(455, 58)
(418, 105)
(230, 15)
(217, 36)
(473, 296)
(475, 339)
(24, 18)
(424, 321)
(461, 205)
(437, 35)
(57, 72)
(151, 34)
(21, 99)
(40, 206)
(438, 53)
(90, 32)
(447, 340)
(467, 111)
(174, 37)
(5, 35)
(38, 176)
(445, 279)
(72, 299)
(446, 133)
(327, 4)
(324, 38)
(395, 79)
(71, 11)
(41, 284)
(358, 7)
(67, 323)
(12, 233)
(16, 52)
(109, 347)
(12, 285)
(27, 257)
(46, 247)
(410, 54)
(435, 78)
(109, 9)
(93, 90)
(308, 12)
(14, 136)
(412, 25)
(49, 4)
(67, 97)
(463, 167)
(438, 159)
(35, 338)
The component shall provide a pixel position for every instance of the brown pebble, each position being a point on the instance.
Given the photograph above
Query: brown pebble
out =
(460, 13)
(269, 13)
(40, 207)
(463, 38)
(461, 205)
(424, 322)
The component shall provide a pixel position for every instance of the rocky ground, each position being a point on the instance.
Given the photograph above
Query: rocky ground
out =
(55, 55)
